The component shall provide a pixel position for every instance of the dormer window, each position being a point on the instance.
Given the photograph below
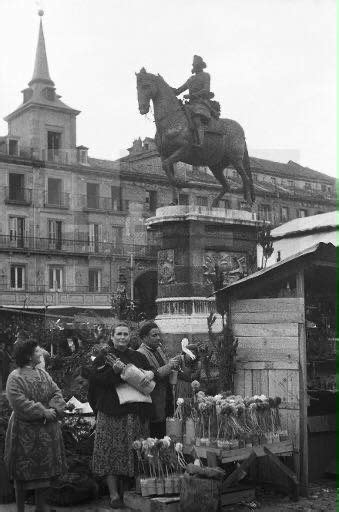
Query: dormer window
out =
(82, 155)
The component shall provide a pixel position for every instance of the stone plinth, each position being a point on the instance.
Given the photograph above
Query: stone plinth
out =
(193, 241)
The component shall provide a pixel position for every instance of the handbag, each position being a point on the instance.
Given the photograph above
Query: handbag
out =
(128, 394)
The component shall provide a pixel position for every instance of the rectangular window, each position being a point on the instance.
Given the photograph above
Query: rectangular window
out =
(323, 187)
(54, 192)
(117, 201)
(55, 234)
(53, 145)
(202, 201)
(94, 234)
(17, 277)
(264, 212)
(184, 199)
(16, 187)
(284, 214)
(94, 280)
(55, 279)
(151, 200)
(93, 195)
(290, 183)
(13, 147)
(302, 213)
(117, 235)
(17, 232)
(308, 186)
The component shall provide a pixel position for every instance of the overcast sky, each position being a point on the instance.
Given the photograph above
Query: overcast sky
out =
(272, 64)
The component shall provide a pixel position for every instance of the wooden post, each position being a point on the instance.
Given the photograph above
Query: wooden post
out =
(240, 472)
(293, 478)
(303, 445)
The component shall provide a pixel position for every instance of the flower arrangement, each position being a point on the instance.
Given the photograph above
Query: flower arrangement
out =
(231, 420)
(160, 465)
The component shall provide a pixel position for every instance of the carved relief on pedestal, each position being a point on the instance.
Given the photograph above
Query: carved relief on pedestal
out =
(224, 268)
(166, 272)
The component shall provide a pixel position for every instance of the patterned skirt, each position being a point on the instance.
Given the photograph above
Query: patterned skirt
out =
(113, 453)
(34, 452)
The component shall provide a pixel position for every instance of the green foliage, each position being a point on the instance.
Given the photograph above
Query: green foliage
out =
(225, 346)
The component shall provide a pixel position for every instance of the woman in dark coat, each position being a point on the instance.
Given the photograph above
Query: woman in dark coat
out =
(118, 425)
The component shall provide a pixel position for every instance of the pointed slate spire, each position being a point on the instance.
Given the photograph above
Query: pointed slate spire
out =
(41, 71)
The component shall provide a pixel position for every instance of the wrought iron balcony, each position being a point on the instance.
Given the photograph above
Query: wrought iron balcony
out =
(98, 203)
(57, 200)
(56, 245)
(44, 288)
(15, 195)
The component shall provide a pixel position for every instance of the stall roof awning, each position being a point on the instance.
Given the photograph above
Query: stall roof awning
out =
(326, 251)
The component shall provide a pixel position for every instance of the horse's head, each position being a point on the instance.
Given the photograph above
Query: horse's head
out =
(147, 89)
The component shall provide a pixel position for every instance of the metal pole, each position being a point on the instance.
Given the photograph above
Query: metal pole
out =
(132, 277)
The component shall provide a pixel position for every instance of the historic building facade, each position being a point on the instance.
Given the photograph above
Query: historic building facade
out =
(72, 228)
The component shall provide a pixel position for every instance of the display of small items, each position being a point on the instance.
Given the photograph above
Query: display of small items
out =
(320, 332)
(321, 347)
(161, 465)
(227, 421)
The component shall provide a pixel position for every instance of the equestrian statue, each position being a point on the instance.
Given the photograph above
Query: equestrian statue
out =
(192, 132)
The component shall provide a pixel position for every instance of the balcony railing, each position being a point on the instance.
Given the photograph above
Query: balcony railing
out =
(62, 245)
(57, 200)
(61, 156)
(93, 202)
(15, 195)
(44, 288)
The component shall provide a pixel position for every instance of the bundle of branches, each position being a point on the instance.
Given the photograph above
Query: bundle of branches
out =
(225, 346)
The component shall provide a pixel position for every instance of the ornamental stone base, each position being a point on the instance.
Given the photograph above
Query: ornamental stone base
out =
(199, 248)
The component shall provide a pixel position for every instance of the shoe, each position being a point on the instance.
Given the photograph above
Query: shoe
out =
(116, 503)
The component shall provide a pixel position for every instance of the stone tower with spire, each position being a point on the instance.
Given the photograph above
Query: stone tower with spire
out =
(43, 126)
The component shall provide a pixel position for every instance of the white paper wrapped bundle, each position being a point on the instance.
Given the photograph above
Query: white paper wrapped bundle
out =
(136, 378)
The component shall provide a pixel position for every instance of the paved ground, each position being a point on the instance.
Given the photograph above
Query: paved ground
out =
(322, 498)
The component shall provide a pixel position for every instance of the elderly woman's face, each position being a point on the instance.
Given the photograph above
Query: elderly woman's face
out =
(121, 337)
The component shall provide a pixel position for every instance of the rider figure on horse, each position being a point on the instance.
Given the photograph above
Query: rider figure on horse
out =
(199, 96)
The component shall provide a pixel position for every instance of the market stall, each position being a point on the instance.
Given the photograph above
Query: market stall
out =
(284, 319)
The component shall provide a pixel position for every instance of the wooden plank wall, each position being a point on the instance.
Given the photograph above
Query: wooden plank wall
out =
(268, 353)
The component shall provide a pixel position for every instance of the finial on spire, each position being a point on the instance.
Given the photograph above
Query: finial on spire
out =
(41, 72)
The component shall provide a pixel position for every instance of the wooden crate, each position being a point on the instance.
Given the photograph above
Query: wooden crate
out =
(225, 456)
(139, 503)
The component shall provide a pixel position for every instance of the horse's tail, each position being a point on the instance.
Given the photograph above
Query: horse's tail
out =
(247, 167)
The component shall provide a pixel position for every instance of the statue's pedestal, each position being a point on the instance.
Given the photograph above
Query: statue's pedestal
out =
(193, 241)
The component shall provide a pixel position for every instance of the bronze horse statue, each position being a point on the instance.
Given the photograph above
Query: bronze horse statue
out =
(224, 141)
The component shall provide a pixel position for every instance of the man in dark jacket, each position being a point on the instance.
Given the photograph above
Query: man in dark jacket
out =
(162, 367)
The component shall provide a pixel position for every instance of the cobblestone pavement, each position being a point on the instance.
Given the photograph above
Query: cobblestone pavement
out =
(322, 498)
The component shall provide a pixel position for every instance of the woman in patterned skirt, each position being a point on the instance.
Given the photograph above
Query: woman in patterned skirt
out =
(118, 424)
(34, 450)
